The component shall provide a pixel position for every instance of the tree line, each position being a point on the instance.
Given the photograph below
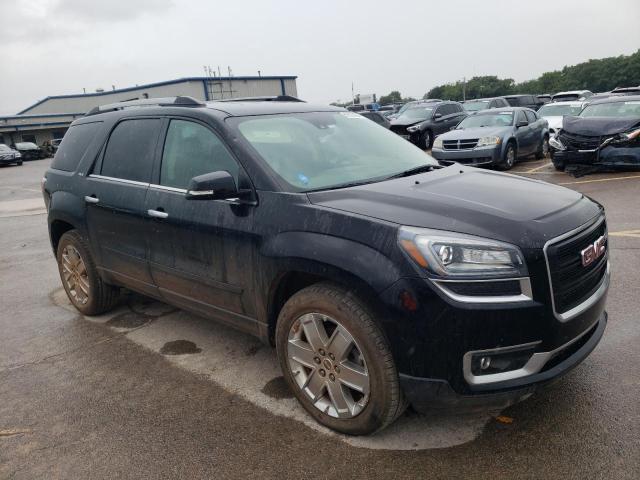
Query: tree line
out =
(599, 75)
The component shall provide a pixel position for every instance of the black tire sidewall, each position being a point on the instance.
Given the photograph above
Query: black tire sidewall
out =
(425, 139)
(73, 238)
(372, 416)
(504, 165)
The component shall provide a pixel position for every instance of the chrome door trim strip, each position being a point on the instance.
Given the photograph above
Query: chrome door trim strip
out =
(119, 180)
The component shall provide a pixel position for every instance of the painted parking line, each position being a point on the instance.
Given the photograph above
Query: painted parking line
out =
(600, 180)
(626, 233)
(534, 170)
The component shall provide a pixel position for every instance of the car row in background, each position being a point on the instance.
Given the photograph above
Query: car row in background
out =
(422, 121)
(8, 155)
(497, 137)
(605, 135)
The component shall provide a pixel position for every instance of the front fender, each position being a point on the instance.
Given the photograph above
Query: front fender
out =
(362, 261)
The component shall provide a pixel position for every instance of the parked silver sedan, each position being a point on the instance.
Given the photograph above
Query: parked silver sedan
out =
(495, 137)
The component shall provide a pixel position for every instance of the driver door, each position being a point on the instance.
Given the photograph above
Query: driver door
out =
(200, 251)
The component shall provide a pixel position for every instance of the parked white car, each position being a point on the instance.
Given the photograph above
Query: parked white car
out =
(553, 113)
(571, 96)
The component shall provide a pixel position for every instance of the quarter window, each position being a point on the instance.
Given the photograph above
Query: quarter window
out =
(191, 149)
(130, 151)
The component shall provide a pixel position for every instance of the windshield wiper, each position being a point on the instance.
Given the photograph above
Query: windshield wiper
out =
(415, 171)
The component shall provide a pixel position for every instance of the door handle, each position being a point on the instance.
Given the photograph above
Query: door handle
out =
(157, 214)
(91, 199)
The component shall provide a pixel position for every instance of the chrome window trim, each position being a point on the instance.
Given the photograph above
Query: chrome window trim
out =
(120, 180)
(525, 289)
(534, 364)
(602, 288)
(168, 189)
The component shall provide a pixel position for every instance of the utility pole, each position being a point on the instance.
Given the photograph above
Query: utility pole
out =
(353, 96)
(464, 88)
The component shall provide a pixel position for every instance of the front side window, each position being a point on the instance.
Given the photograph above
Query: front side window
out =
(313, 151)
(521, 116)
(130, 151)
(531, 117)
(191, 149)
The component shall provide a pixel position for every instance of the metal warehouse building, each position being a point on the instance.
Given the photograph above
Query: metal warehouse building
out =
(49, 118)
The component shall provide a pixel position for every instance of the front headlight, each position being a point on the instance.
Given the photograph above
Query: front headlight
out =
(450, 254)
(486, 141)
(437, 143)
(556, 143)
(413, 128)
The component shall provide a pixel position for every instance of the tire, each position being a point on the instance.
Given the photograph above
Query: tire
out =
(321, 307)
(19, 163)
(85, 289)
(426, 139)
(559, 166)
(543, 151)
(508, 157)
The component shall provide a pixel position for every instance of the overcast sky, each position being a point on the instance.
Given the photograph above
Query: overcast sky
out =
(54, 47)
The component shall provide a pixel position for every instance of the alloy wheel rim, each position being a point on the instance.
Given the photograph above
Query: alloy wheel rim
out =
(510, 156)
(328, 366)
(76, 277)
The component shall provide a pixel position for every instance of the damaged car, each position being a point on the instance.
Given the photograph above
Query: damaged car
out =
(605, 136)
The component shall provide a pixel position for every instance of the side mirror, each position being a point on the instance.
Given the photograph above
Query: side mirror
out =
(522, 123)
(212, 186)
(437, 116)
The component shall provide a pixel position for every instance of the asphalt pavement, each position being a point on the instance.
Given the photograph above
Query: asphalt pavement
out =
(149, 391)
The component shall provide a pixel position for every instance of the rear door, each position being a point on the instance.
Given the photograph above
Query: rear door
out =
(115, 198)
(524, 135)
(201, 251)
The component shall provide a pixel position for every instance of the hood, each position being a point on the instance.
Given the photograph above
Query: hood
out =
(554, 122)
(475, 132)
(490, 204)
(597, 126)
(407, 122)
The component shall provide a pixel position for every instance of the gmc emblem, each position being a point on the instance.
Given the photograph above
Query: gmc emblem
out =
(593, 252)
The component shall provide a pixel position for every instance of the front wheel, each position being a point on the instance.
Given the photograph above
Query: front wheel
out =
(337, 361)
(19, 163)
(425, 140)
(508, 157)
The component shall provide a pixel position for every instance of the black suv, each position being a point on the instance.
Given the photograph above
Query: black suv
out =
(381, 277)
(528, 101)
(423, 122)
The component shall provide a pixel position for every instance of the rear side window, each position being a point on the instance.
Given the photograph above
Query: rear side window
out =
(74, 146)
(191, 149)
(130, 151)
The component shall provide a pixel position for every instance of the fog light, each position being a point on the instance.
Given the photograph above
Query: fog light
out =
(485, 362)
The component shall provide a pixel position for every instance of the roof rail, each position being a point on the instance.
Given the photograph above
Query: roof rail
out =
(147, 102)
(275, 98)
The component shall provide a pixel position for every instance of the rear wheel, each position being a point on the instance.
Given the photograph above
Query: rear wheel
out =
(80, 279)
(543, 150)
(337, 361)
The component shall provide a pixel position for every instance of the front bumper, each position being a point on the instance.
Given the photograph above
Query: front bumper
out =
(476, 156)
(613, 157)
(428, 395)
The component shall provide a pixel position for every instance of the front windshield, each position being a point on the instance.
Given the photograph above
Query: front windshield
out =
(322, 150)
(416, 113)
(26, 145)
(559, 110)
(614, 109)
(502, 119)
(475, 106)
